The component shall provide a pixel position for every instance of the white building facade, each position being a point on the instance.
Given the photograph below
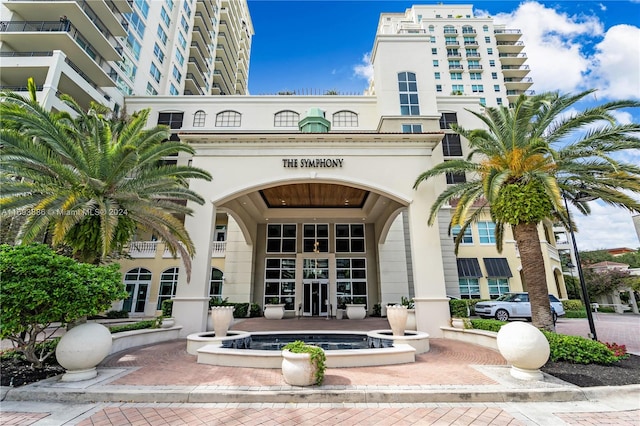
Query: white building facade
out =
(313, 196)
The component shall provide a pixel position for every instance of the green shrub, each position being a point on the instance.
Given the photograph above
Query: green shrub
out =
(117, 314)
(578, 350)
(48, 346)
(572, 305)
(167, 307)
(255, 310)
(40, 287)
(140, 325)
(377, 310)
(241, 310)
(575, 314)
(219, 301)
(487, 324)
(458, 308)
(607, 309)
(318, 356)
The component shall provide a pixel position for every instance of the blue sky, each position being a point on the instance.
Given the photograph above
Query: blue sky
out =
(313, 46)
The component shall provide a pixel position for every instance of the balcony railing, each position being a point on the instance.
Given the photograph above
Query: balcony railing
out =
(518, 80)
(515, 67)
(506, 31)
(149, 249)
(520, 92)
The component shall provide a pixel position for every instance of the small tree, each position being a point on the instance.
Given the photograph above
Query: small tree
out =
(40, 287)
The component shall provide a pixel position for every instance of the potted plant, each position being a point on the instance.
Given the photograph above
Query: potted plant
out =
(357, 310)
(411, 312)
(459, 311)
(167, 310)
(302, 364)
(342, 307)
(274, 309)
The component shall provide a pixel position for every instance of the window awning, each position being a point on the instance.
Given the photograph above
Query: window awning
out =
(469, 268)
(497, 267)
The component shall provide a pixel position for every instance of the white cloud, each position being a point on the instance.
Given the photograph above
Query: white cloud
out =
(605, 227)
(365, 69)
(602, 7)
(551, 43)
(617, 63)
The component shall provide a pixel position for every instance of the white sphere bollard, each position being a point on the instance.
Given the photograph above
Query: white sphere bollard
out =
(81, 349)
(525, 348)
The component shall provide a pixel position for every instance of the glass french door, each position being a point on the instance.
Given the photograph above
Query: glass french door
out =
(315, 287)
(137, 282)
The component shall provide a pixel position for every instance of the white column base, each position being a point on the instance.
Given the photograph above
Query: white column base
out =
(524, 374)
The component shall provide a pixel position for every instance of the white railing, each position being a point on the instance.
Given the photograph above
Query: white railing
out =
(143, 249)
(219, 249)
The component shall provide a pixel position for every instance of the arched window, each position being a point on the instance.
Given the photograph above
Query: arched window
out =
(345, 119)
(468, 29)
(215, 283)
(168, 285)
(198, 118)
(136, 282)
(408, 88)
(286, 119)
(485, 28)
(228, 119)
(450, 29)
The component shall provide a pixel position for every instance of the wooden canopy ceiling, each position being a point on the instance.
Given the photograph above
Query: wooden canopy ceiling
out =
(314, 195)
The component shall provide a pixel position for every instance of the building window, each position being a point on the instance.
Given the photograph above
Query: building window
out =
(496, 88)
(176, 74)
(412, 128)
(475, 76)
(155, 72)
(182, 40)
(434, 50)
(455, 76)
(351, 280)
(489, 51)
(483, 101)
(228, 119)
(185, 25)
(437, 75)
(498, 287)
(470, 41)
(151, 90)
(136, 23)
(448, 118)
(315, 237)
(158, 53)
(468, 30)
(281, 238)
(433, 39)
(408, 88)
(168, 285)
(467, 238)
(477, 88)
(487, 39)
(286, 119)
(499, 101)
(179, 57)
(280, 282)
(165, 17)
(487, 232)
(133, 45)
(350, 238)
(198, 118)
(474, 65)
(451, 145)
(454, 178)
(215, 283)
(492, 63)
(485, 28)
(162, 35)
(142, 6)
(469, 288)
(436, 63)
(438, 87)
(171, 119)
(449, 29)
(431, 28)
(173, 91)
(457, 89)
(345, 119)
(186, 8)
(494, 75)
(169, 4)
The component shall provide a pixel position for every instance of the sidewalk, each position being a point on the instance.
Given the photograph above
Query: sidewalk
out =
(454, 383)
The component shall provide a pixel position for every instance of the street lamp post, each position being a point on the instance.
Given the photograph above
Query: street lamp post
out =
(583, 286)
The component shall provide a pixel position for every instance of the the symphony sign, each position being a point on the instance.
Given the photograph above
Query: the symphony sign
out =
(310, 163)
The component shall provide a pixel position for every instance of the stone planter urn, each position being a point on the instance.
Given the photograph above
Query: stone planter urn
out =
(525, 348)
(397, 317)
(168, 322)
(302, 364)
(81, 349)
(458, 323)
(340, 313)
(222, 317)
(356, 311)
(274, 311)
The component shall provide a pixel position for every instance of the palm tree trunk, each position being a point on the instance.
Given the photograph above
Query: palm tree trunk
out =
(533, 271)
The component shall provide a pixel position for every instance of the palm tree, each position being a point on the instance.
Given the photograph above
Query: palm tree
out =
(91, 181)
(520, 167)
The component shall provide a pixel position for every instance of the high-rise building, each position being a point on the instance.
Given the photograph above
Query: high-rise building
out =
(104, 50)
(312, 200)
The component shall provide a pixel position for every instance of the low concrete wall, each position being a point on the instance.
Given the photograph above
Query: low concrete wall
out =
(477, 337)
(147, 336)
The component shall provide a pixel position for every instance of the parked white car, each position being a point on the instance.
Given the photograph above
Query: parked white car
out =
(514, 305)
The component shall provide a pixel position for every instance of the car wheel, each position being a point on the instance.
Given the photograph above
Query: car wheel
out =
(502, 315)
(555, 318)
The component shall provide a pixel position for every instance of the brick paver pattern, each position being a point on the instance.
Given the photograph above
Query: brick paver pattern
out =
(13, 418)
